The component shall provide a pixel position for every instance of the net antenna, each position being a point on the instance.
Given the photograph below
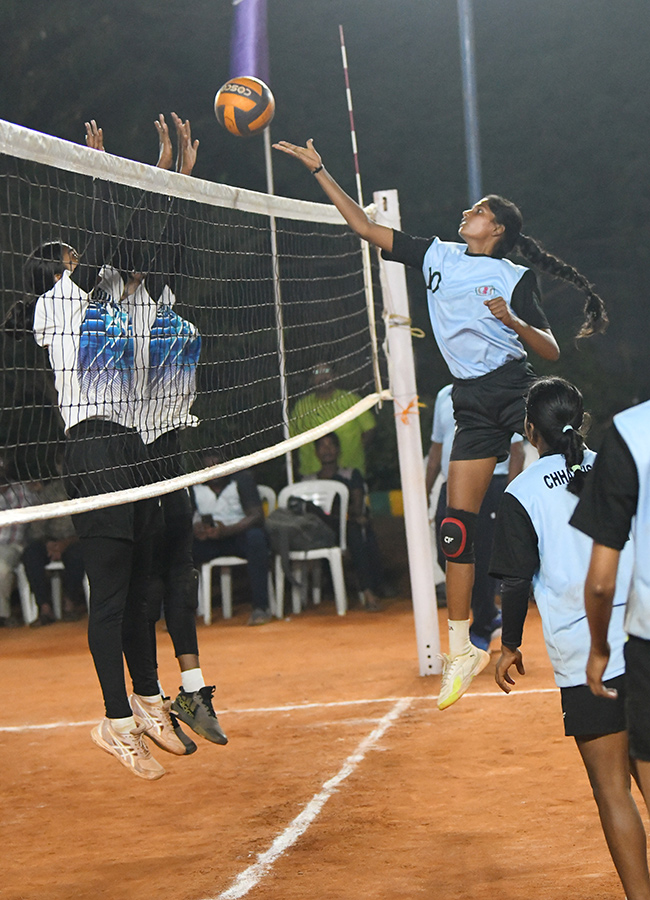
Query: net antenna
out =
(365, 246)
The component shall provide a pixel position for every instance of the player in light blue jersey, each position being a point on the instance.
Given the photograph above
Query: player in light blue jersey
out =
(535, 544)
(485, 313)
(615, 505)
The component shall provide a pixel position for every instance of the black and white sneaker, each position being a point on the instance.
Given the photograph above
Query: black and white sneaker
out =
(195, 710)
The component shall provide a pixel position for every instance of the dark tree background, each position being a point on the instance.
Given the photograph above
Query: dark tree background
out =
(563, 111)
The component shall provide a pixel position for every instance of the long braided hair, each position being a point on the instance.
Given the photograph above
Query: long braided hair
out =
(507, 214)
(555, 407)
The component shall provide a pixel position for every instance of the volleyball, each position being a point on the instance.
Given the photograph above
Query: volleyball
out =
(244, 106)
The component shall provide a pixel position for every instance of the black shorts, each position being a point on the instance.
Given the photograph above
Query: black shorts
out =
(637, 663)
(488, 410)
(586, 715)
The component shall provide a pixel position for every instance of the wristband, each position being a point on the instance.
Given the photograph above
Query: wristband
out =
(316, 171)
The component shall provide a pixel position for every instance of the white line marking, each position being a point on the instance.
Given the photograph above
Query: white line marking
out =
(45, 726)
(247, 879)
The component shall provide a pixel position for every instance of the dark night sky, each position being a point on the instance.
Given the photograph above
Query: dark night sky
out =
(562, 102)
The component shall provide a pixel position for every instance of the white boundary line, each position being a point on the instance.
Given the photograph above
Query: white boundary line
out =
(47, 726)
(247, 879)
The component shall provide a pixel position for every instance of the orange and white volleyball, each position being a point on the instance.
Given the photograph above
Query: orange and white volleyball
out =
(244, 106)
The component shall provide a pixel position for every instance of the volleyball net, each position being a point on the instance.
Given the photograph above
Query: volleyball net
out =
(198, 314)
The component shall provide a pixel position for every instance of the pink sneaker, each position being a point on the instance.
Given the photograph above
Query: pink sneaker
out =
(130, 749)
(157, 723)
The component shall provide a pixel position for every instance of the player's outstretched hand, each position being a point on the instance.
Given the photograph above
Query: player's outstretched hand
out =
(187, 149)
(507, 659)
(165, 153)
(596, 665)
(94, 135)
(307, 155)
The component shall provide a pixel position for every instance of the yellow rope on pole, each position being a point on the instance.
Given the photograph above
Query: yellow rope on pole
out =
(395, 321)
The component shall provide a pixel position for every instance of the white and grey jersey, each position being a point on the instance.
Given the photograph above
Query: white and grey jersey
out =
(472, 340)
(562, 555)
(166, 350)
(90, 345)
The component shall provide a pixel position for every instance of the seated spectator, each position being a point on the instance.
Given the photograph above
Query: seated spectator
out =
(13, 495)
(54, 540)
(229, 521)
(361, 539)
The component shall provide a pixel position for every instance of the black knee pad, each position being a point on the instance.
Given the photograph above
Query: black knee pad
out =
(457, 535)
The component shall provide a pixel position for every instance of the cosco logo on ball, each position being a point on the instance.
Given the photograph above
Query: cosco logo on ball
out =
(236, 89)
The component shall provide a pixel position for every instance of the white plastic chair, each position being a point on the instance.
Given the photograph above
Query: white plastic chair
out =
(321, 492)
(27, 599)
(225, 564)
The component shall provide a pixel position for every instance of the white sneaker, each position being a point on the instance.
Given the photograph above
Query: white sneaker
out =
(130, 749)
(157, 723)
(457, 674)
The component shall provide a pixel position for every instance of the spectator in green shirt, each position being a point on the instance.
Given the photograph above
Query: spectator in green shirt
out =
(325, 402)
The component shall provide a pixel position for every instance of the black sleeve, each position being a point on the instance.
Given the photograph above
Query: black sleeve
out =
(154, 242)
(249, 496)
(609, 498)
(514, 608)
(408, 250)
(526, 301)
(515, 551)
(102, 240)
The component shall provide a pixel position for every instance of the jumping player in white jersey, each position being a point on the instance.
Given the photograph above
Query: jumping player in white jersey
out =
(166, 351)
(485, 313)
(615, 501)
(534, 543)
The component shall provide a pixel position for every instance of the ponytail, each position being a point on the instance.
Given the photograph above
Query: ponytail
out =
(554, 407)
(594, 309)
(507, 214)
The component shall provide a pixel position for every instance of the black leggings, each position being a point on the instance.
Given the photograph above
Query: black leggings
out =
(174, 582)
(117, 571)
(116, 545)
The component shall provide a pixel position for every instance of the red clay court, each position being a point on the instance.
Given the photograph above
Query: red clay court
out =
(341, 780)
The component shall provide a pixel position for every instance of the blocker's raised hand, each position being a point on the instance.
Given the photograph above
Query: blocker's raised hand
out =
(165, 153)
(94, 135)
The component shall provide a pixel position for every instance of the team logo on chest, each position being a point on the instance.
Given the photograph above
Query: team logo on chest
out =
(486, 290)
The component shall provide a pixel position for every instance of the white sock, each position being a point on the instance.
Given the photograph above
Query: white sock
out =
(192, 680)
(123, 726)
(459, 642)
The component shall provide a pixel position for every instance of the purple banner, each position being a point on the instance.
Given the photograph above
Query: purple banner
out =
(249, 45)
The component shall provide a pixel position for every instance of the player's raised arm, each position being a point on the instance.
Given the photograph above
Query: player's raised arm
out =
(349, 208)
